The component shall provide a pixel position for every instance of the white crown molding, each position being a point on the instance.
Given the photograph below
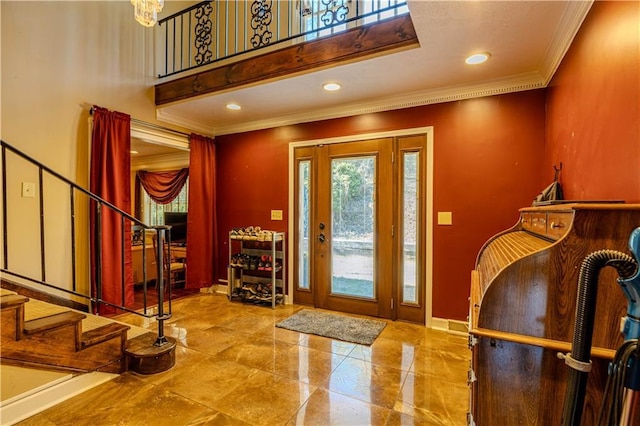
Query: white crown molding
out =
(193, 125)
(511, 84)
(569, 25)
(161, 162)
(158, 136)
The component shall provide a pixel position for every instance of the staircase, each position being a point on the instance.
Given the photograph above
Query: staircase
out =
(42, 334)
(46, 335)
(39, 334)
(66, 352)
(55, 337)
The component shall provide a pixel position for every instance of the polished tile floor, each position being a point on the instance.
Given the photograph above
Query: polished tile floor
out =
(234, 367)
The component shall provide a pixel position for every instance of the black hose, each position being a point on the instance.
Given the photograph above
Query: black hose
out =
(613, 396)
(583, 330)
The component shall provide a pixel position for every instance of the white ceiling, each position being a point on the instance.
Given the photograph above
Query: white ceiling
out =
(526, 40)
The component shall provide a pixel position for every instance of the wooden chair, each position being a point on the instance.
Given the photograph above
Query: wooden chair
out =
(172, 267)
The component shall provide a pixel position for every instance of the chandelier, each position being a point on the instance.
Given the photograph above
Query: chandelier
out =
(146, 11)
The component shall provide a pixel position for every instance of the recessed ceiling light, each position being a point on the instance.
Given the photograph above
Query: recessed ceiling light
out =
(477, 58)
(233, 106)
(133, 152)
(331, 87)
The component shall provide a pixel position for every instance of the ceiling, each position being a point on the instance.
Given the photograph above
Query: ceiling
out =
(526, 41)
(144, 148)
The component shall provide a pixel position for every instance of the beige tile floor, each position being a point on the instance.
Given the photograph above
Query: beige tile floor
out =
(233, 367)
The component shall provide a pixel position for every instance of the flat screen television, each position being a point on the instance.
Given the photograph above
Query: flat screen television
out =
(178, 223)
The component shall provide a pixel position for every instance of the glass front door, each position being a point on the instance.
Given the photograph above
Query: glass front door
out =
(358, 234)
(353, 227)
(353, 230)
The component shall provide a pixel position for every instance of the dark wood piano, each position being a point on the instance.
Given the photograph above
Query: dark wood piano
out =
(522, 312)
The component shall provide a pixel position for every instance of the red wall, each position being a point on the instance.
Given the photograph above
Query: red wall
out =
(492, 155)
(488, 157)
(593, 107)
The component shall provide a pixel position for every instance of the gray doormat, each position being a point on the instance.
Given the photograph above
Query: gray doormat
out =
(341, 327)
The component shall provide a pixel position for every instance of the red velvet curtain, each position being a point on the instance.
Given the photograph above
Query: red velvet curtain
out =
(163, 187)
(202, 241)
(111, 180)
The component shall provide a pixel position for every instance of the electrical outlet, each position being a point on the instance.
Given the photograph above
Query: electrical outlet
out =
(276, 214)
(28, 190)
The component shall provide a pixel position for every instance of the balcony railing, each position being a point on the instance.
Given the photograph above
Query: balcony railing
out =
(212, 31)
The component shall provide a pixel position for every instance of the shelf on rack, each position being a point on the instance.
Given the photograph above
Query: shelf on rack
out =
(249, 283)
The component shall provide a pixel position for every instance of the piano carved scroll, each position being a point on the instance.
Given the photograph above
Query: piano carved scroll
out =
(522, 311)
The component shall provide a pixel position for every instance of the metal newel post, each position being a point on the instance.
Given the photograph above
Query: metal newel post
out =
(161, 232)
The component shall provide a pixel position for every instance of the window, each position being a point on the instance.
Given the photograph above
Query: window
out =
(410, 226)
(153, 213)
(304, 208)
(388, 9)
(325, 17)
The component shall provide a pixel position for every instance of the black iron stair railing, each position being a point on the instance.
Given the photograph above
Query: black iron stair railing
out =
(95, 297)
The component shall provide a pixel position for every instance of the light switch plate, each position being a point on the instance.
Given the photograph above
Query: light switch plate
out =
(276, 214)
(28, 190)
(445, 218)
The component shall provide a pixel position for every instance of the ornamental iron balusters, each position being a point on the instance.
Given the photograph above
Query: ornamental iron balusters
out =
(261, 17)
(203, 33)
(211, 31)
(336, 12)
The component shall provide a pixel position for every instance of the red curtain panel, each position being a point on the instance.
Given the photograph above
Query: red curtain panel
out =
(202, 244)
(110, 179)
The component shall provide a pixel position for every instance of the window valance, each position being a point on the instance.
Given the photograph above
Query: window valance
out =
(163, 187)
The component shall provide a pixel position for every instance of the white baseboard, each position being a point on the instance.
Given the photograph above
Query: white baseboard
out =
(223, 289)
(215, 289)
(450, 326)
(34, 403)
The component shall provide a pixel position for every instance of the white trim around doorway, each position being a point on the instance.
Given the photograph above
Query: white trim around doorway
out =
(428, 132)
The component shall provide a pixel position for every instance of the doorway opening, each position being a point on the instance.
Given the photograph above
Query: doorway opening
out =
(362, 224)
(155, 150)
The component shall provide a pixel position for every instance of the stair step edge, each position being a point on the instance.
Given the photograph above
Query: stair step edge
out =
(52, 322)
(102, 334)
(12, 300)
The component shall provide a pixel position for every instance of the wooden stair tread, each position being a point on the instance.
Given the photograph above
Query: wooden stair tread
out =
(102, 334)
(52, 336)
(12, 300)
(53, 321)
